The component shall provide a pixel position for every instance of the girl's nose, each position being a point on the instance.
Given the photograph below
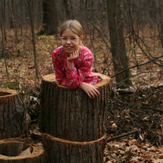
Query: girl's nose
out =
(68, 41)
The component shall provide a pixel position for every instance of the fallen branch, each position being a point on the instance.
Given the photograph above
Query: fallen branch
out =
(143, 107)
(125, 91)
(137, 65)
(159, 110)
(122, 135)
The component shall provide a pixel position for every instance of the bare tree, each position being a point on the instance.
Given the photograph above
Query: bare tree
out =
(118, 50)
(4, 19)
(33, 35)
(3, 46)
(50, 17)
(68, 8)
(14, 21)
(159, 19)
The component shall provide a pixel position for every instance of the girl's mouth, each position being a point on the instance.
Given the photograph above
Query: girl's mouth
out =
(69, 48)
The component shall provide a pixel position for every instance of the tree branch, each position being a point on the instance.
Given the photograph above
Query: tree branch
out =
(122, 135)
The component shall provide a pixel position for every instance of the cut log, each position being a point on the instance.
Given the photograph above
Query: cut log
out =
(12, 114)
(70, 114)
(66, 151)
(14, 150)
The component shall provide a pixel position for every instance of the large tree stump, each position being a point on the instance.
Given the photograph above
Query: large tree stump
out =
(12, 114)
(66, 151)
(75, 122)
(18, 150)
(70, 114)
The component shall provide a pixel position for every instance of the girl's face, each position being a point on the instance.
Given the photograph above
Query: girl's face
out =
(71, 41)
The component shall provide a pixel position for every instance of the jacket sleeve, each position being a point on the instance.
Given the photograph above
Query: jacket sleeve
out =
(75, 76)
(72, 77)
(60, 75)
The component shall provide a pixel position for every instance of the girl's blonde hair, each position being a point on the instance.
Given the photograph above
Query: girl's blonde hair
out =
(73, 25)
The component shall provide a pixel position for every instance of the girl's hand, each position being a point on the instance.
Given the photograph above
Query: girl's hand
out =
(89, 89)
(73, 56)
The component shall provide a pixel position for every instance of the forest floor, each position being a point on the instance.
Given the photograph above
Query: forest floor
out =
(139, 109)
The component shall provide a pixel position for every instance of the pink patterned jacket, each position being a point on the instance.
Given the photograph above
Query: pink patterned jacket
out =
(74, 75)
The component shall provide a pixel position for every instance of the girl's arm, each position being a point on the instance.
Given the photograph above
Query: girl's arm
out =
(60, 75)
(65, 75)
(74, 78)
(88, 88)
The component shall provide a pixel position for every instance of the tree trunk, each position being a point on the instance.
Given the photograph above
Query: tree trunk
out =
(82, 4)
(75, 121)
(70, 114)
(12, 114)
(3, 50)
(4, 20)
(30, 7)
(65, 151)
(10, 14)
(68, 7)
(50, 17)
(17, 150)
(159, 21)
(118, 50)
(14, 21)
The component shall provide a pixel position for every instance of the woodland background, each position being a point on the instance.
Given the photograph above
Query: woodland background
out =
(126, 38)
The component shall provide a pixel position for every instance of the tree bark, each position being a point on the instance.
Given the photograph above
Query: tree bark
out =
(30, 6)
(68, 8)
(159, 20)
(11, 23)
(64, 151)
(4, 20)
(14, 21)
(76, 122)
(12, 114)
(70, 114)
(3, 50)
(118, 50)
(17, 150)
(50, 18)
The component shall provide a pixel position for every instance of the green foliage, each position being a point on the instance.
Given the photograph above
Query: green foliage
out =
(45, 37)
(10, 85)
(11, 73)
(46, 46)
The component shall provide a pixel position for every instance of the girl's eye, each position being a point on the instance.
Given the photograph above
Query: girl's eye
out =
(64, 38)
(73, 38)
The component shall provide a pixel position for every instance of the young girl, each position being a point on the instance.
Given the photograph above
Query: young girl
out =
(73, 62)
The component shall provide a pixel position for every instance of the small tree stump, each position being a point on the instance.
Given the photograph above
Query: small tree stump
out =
(17, 150)
(70, 114)
(12, 114)
(66, 151)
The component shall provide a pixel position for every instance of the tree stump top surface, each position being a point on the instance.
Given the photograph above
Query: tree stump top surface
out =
(6, 94)
(51, 78)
